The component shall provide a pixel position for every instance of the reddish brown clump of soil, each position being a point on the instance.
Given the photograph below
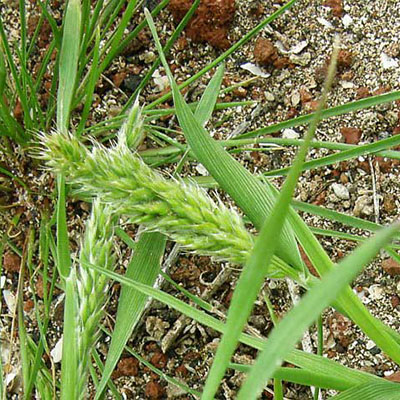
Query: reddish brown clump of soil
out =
(391, 267)
(266, 54)
(126, 367)
(351, 135)
(11, 262)
(210, 22)
(336, 6)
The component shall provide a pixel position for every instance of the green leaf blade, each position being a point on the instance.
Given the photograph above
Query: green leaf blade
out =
(291, 328)
(144, 267)
(69, 56)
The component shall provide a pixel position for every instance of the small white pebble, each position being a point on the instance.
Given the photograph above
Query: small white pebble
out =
(10, 300)
(340, 191)
(299, 47)
(295, 98)
(272, 284)
(370, 345)
(252, 68)
(346, 84)
(269, 96)
(56, 353)
(376, 292)
(388, 62)
(347, 20)
(325, 22)
(201, 170)
(290, 134)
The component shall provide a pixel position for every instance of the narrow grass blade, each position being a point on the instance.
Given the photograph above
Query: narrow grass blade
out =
(256, 201)
(353, 153)
(161, 374)
(14, 177)
(198, 301)
(307, 361)
(69, 364)
(291, 328)
(22, 332)
(328, 113)
(179, 29)
(89, 90)
(63, 253)
(100, 366)
(336, 216)
(278, 390)
(375, 391)
(207, 102)
(90, 27)
(248, 191)
(69, 56)
(252, 276)
(16, 81)
(302, 377)
(317, 144)
(3, 72)
(144, 267)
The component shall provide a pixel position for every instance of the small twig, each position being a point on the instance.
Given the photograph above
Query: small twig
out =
(183, 320)
(374, 191)
(306, 343)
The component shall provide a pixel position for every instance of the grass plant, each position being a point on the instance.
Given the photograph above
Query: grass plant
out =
(118, 180)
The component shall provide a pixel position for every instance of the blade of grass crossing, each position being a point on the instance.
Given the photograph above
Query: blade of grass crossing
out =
(328, 113)
(63, 252)
(69, 378)
(278, 389)
(291, 328)
(144, 267)
(343, 155)
(100, 366)
(179, 29)
(92, 26)
(379, 391)
(301, 377)
(385, 337)
(3, 72)
(23, 336)
(256, 201)
(69, 55)
(161, 374)
(252, 276)
(89, 90)
(207, 102)
(14, 73)
(309, 362)
(23, 25)
(247, 191)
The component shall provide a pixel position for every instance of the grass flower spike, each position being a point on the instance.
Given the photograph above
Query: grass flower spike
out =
(91, 286)
(122, 180)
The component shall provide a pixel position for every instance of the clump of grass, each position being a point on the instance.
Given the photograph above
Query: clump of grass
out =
(122, 180)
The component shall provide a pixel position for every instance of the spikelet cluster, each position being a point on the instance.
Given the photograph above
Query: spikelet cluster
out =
(118, 176)
(91, 286)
